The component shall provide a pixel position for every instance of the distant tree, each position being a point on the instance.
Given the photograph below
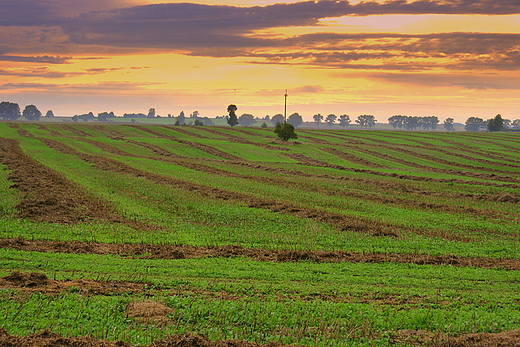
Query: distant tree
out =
(367, 121)
(515, 124)
(180, 119)
(331, 119)
(207, 121)
(134, 115)
(496, 124)
(103, 116)
(198, 123)
(430, 122)
(49, 114)
(264, 125)
(151, 113)
(344, 120)
(397, 121)
(412, 123)
(285, 131)
(474, 124)
(277, 118)
(246, 119)
(507, 123)
(232, 119)
(195, 114)
(448, 124)
(267, 118)
(9, 110)
(317, 119)
(84, 117)
(295, 119)
(31, 112)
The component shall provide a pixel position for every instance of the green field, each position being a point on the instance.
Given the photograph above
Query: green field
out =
(340, 238)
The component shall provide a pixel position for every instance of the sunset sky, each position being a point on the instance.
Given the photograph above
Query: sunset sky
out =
(449, 58)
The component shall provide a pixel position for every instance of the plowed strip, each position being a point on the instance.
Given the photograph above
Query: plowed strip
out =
(208, 149)
(343, 222)
(47, 195)
(149, 251)
(49, 339)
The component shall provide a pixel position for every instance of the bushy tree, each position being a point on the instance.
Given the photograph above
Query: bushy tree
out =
(9, 110)
(295, 119)
(49, 114)
(430, 122)
(474, 124)
(331, 119)
(151, 113)
(496, 124)
(277, 118)
(344, 120)
(317, 119)
(232, 118)
(448, 124)
(515, 124)
(366, 120)
(285, 131)
(247, 119)
(31, 112)
(397, 121)
(181, 118)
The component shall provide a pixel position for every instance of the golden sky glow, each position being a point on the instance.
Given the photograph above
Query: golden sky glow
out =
(456, 59)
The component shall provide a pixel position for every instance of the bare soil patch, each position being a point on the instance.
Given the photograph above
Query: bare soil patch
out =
(39, 282)
(50, 339)
(149, 251)
(149, 312)
(428, 338)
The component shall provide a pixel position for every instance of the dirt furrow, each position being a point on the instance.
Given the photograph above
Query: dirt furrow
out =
(205, 148)
(47, 195)
(150, 251)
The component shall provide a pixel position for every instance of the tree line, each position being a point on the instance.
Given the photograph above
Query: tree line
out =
(11, 111)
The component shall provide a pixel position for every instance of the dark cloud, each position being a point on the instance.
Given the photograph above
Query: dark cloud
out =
(467, 81)
(101, 86)
(228, 31)
(41, 59)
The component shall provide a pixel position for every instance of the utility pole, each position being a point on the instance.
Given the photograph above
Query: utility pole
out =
(285, 108)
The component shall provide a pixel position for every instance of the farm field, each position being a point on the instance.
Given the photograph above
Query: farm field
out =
(155, 235)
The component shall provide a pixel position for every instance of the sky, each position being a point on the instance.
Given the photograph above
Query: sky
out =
(448, 58)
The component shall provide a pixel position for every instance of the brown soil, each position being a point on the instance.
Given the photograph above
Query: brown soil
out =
(149, 312)
(149, 251)
(32, 282)
(49, 339)
(205, 148)
(50, 197)
(427, 338)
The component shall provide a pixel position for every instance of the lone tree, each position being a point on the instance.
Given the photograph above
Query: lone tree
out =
(31, 112)
(232, 119)
(285, 131)
(496, 124)
(9, 110)
(49, 114)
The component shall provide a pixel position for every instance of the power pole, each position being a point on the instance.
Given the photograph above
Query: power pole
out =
(285, 107)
